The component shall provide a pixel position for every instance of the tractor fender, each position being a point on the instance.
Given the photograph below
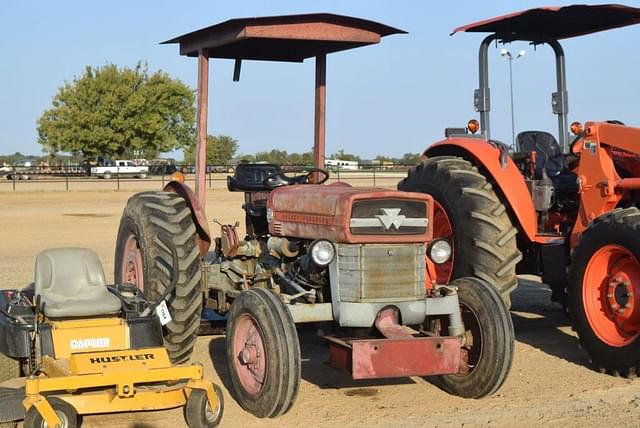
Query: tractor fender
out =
(197, 213)
(509, 180)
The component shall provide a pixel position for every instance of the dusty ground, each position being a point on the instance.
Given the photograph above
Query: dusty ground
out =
(550, 383)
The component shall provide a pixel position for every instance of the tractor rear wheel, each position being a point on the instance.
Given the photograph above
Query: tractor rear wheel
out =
(487, 350)
(154, 226)
(263, 353)
(604, 292)
(471, 216)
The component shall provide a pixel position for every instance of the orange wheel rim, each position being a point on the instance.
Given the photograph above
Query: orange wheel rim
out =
(610, 285)
(442, 229)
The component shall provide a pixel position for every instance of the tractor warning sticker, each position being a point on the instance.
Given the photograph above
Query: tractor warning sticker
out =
(163, 313)
(590, 146)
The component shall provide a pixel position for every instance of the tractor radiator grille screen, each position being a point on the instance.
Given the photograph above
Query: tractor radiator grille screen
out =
(381, 272)
(389, 217)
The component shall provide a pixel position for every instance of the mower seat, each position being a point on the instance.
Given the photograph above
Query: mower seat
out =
(71, 283)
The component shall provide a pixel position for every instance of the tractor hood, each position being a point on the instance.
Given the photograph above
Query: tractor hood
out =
(341, 213)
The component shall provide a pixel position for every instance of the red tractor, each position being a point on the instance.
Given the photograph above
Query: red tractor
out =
(566, 210)
(352, 258)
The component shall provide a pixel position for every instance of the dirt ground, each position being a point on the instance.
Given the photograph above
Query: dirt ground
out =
(550, 382)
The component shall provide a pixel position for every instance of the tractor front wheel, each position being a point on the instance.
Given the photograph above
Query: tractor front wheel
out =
(263, 353)
(155, 228)
(488, 343)
(604, 292)
(471, 216)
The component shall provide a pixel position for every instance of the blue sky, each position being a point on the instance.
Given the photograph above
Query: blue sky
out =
(389, 99)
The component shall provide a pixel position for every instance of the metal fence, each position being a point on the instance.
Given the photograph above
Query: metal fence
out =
(66, 179)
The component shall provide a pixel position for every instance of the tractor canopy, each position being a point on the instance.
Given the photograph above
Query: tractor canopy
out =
(291, 38)
(557, 22)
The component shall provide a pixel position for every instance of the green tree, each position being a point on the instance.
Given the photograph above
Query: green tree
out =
(344, 156)
(111, 111)
(410, 159)
(220, 150)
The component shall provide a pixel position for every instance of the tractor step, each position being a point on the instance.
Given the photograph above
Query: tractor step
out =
(386, 358)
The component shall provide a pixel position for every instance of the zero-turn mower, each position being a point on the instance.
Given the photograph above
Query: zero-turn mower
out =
(87, 348)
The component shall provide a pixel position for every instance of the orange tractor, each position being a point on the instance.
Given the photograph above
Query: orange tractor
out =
(566, 210)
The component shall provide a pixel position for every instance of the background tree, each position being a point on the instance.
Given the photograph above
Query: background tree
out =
(220, 150)
(113, 112)
(410, 159)
(340, 154)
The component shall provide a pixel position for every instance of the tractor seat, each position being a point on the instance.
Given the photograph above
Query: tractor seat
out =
(549, 155)
(71, 283)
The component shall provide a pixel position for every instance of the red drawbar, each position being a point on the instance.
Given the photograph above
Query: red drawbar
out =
(387, 358)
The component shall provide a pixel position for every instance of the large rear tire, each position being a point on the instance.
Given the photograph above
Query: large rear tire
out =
(263, 353)
(487, 353)
(152, 224)
(604, 292)
(470, 214)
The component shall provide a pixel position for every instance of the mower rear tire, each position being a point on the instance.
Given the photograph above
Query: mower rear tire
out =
(487, 351)
(604, 285)
(152, 224)
(198, 412)
(479, 228)
(263, 353)
(64, 410)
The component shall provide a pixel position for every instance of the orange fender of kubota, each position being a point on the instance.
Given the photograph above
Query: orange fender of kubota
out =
(509, 180)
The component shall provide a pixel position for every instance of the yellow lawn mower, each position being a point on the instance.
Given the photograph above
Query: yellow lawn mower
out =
(86, 348)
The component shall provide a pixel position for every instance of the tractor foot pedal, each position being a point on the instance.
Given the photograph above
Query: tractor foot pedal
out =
(11, 408)
(386, 358)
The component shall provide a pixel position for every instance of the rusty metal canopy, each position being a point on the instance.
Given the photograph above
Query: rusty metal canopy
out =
(556, 22)
(282, 38)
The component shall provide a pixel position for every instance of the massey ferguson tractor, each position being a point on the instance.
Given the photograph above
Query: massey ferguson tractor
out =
(358, 259)
(566, 210)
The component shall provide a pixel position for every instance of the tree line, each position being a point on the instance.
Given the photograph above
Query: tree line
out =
(113, 112)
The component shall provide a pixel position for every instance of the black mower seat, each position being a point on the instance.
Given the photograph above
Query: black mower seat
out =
(71, 283)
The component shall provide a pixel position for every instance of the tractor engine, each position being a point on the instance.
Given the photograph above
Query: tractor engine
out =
(362, 239)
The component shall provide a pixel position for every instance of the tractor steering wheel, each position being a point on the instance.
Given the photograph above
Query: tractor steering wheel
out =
(280, 178)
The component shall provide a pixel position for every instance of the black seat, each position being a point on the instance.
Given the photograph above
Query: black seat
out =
(549, 154)
(249, 177)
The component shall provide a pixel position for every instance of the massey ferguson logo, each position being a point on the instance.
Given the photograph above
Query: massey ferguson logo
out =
(93, 343)
(390, 217)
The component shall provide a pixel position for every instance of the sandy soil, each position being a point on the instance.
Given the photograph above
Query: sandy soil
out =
(550, 383)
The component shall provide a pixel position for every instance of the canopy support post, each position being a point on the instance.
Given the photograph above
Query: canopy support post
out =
(201, 126)
(320, 111)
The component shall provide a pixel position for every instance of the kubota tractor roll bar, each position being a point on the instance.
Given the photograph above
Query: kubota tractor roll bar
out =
(539, 26)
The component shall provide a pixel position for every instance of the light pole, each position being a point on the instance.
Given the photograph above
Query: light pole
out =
(506, 54)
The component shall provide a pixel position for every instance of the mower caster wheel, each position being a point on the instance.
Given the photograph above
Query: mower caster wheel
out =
(64, 410)
(198, 412)
(263, 353)
(487, 348)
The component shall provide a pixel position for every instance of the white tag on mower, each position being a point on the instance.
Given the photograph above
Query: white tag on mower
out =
(163, 313)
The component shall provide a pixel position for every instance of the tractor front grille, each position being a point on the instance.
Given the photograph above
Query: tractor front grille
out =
(389, 216)
(381, 272)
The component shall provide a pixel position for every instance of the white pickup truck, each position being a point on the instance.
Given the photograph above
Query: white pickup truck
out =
(120, 168)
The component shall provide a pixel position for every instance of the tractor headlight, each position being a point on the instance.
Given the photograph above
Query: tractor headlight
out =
(439, 251)
(322, 252)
